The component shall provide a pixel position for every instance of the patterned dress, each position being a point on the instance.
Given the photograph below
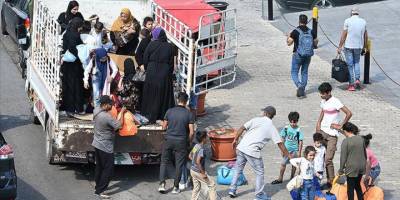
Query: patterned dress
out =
(130, 95)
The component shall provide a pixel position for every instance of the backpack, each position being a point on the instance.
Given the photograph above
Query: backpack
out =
(306, 43)
(297, 135)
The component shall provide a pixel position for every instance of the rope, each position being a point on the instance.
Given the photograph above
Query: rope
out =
(336, 46)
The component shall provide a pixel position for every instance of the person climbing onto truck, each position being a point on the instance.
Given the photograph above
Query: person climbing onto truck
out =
(99, 70)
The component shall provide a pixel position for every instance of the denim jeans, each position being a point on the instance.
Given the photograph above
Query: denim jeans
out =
(307, 191)
(300, 62)
(96, 91)
(258, 167)
(353, 62)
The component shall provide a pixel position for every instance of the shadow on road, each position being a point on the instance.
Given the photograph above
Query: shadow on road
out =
(9, 122)
(26, 191)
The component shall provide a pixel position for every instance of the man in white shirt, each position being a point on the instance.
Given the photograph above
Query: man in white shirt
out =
(259, 131)
(328, 125)
(354, 38)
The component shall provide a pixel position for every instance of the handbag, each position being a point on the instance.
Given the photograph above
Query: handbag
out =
(225, 176)
(68, 57)
(296, 182)
(139, 76)
(340, 70)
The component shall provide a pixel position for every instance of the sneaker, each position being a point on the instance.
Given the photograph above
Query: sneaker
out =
(182, 186)
(161, 188)
(103, 196)
(232, 194)
(302, 92)
(298, 92)
(176, 190)
(358, 84)
(351, 88)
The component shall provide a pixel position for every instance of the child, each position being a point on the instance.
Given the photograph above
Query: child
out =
(307, 172)
(293, 139)
(319, 161)
(373, 167)
(148, 23)
(197, 169)
(101, 36)
(329, 123)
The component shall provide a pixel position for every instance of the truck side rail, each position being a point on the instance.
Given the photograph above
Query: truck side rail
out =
(45, 57)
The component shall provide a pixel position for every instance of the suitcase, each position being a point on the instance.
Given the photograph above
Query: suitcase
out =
(340, 70)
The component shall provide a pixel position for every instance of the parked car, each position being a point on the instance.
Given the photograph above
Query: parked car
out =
(309, 4)
(16, 22)
(8, 177)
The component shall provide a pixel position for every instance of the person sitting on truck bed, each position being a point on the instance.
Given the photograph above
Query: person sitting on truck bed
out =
(105, 128)
(72, 72)
(99, 69)
(158, 92)
(65, 17)
(125, 33)
(129, 90)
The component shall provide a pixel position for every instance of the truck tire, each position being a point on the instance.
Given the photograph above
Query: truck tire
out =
(49, 141)
(34, 118)
(3, 25)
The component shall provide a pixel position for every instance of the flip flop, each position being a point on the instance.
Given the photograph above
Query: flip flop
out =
(276, 182)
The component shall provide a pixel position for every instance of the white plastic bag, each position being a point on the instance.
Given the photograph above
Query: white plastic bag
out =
(295, 183)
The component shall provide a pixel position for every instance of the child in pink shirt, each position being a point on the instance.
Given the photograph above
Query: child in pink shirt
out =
(373, 167)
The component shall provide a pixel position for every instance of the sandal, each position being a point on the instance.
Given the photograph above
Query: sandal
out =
(276, 182)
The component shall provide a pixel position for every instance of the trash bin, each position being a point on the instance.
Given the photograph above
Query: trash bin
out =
(220, 5)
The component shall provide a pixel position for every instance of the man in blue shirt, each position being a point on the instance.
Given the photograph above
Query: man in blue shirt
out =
(293, 139)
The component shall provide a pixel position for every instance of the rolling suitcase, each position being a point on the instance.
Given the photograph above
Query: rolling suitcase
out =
(340, 70)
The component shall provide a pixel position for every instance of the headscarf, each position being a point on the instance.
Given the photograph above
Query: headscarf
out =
(159, 34)
(68, 14)
(101, 66)
(118, 23)
(129, 70)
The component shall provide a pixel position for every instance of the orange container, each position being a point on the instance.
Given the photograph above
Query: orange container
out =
(221, 144)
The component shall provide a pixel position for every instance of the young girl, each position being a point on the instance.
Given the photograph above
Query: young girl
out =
(307, 172)
(373, 167)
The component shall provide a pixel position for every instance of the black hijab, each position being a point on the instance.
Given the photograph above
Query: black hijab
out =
(68, 14)
(129, 70)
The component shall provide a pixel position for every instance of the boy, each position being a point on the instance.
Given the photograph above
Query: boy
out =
(319, 155)
(328, 125)
(197, 170)
(293, 139)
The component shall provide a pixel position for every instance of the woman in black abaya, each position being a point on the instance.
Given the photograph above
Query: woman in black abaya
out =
(158, 60)
(72, 72)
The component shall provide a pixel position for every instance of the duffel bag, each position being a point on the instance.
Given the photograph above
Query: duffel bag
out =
(225, 176)
(340, 70)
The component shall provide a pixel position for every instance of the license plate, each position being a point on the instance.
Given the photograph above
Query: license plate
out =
(81, 155)
(22, 41)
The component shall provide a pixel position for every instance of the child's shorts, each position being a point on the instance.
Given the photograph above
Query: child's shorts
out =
(285, 160)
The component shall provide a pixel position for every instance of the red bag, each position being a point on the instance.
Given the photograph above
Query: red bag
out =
(129, 127)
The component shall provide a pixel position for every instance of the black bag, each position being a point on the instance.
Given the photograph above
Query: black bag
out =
(340, 70)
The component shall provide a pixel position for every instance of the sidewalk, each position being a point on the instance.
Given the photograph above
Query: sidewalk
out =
(264, 79)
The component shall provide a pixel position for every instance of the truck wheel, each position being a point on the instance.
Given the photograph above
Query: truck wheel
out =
(34, 118)
(49, 141)
(22, 61)
(321, 4)
(3, 25)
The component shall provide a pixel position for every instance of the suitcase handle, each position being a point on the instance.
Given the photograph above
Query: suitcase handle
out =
(222, 172)
(339, 55)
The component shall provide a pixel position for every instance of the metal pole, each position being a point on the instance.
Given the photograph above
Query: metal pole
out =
(270, 10)
(263, 10)
(367, 63)
(315, 24)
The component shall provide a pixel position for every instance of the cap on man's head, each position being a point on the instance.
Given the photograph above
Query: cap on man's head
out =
(105, 99)
(355, 11)
(270, 110)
